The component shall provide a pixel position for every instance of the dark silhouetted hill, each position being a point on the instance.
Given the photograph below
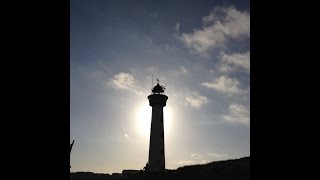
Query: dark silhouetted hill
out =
(237, 169)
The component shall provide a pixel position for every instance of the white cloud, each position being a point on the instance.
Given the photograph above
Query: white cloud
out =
(196, 156)
(185, 162)
(126, 135)
(237, 114)
(222, 23)
(124, 81)
(195, 100)
(235, 61)
(234, 23)
(224, 84)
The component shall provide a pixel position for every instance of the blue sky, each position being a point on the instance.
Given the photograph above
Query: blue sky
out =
(200, 50)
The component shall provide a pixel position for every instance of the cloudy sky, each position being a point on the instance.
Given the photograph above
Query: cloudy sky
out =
(200, 50)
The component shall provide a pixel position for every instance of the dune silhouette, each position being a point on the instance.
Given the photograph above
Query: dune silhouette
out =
(219, 170)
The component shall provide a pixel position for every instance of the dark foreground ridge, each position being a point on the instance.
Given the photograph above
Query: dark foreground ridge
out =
(237, 169)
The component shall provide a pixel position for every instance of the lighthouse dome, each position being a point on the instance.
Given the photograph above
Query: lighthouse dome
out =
(158, 89)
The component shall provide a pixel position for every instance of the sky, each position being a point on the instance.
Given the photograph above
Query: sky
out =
(200, 50)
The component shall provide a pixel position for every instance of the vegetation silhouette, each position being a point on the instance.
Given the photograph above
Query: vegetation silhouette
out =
(236, 169)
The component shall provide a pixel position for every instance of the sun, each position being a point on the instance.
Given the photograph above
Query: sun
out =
(144, 119)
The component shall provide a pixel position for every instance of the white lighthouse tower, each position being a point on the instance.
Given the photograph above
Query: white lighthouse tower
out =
(157, 100)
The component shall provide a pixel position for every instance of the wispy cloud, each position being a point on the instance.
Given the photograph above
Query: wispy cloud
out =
(222, 23)
(195, 100)
(124, 81)
(150, 69)
(196, 156)
(237, 114)
(218, 155)
(177, 28)
(170, 49)
(203, 161)
(224, 84)
(154, 15)
(149, 40)
(183, 70)
(184, 162)
(234, 61)
(126, 135)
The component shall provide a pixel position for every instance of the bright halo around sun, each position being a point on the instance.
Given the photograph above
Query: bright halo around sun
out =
(144, 119)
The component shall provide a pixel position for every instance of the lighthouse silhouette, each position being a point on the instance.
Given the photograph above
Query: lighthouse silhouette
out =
(157, 100)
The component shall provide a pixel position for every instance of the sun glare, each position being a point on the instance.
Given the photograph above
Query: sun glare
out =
(144, 119)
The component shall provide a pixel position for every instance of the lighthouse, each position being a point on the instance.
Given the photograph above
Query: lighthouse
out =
(157, 100)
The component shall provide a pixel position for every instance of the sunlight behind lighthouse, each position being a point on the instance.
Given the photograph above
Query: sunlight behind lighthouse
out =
(143, 119)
